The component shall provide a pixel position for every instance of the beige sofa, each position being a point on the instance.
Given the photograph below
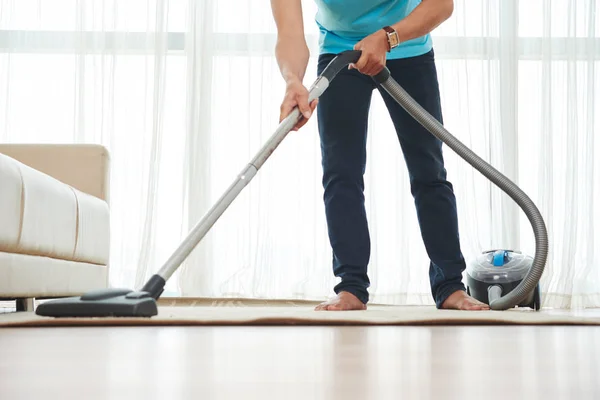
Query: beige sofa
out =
(55, 230)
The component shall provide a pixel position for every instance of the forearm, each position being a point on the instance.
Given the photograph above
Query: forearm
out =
(292, 57)
(424, 19)
(291, 49)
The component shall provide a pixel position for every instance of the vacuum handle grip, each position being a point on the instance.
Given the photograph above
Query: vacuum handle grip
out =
(345, 58)
(340, 61)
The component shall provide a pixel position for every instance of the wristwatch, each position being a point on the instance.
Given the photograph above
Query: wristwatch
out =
(392, 37)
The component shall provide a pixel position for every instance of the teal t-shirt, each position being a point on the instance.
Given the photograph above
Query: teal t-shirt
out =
(343, 23)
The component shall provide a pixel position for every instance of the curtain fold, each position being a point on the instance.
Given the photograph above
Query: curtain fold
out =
(198, 153)
(185, 92)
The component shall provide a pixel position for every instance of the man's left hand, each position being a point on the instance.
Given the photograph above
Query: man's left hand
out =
(374, 48)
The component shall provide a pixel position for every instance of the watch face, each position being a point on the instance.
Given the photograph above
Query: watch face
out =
(393, 39)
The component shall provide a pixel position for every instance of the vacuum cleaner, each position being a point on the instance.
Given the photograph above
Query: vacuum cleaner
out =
(496, 272)
(504, 286)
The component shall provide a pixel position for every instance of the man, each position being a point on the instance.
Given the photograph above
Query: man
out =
(396, 34)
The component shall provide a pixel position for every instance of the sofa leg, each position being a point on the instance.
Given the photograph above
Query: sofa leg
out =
(25, 304)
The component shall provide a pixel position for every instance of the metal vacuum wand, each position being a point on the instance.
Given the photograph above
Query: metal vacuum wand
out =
(155, 285)
(240, 182)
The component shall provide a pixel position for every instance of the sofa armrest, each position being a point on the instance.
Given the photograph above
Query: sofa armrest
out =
(86, 167)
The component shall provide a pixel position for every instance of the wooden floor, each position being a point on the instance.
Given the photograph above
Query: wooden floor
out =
(506, 362)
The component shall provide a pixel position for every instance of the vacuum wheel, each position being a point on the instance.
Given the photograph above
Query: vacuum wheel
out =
(537, 298)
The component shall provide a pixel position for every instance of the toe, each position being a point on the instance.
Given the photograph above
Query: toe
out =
(477, 306)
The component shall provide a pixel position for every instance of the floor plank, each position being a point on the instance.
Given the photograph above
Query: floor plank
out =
(469, 362)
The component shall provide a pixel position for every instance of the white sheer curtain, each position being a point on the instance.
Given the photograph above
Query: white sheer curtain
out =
(184, 92)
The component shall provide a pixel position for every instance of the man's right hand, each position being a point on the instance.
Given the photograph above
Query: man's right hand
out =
(296, 95)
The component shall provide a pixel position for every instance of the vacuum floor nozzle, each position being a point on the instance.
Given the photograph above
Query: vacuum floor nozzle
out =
(102, 303)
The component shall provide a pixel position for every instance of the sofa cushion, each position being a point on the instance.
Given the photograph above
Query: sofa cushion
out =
(52, 218)
(22, 275)
(49, 216)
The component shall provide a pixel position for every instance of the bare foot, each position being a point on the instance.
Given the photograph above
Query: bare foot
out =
(460, 300)
(344, 301)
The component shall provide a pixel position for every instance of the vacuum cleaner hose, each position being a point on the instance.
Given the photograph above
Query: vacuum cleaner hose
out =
(528, 284)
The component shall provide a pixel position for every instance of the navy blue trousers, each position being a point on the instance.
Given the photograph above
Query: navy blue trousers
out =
(342, 120)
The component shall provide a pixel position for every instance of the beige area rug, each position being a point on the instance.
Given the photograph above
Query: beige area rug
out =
(204, 312)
